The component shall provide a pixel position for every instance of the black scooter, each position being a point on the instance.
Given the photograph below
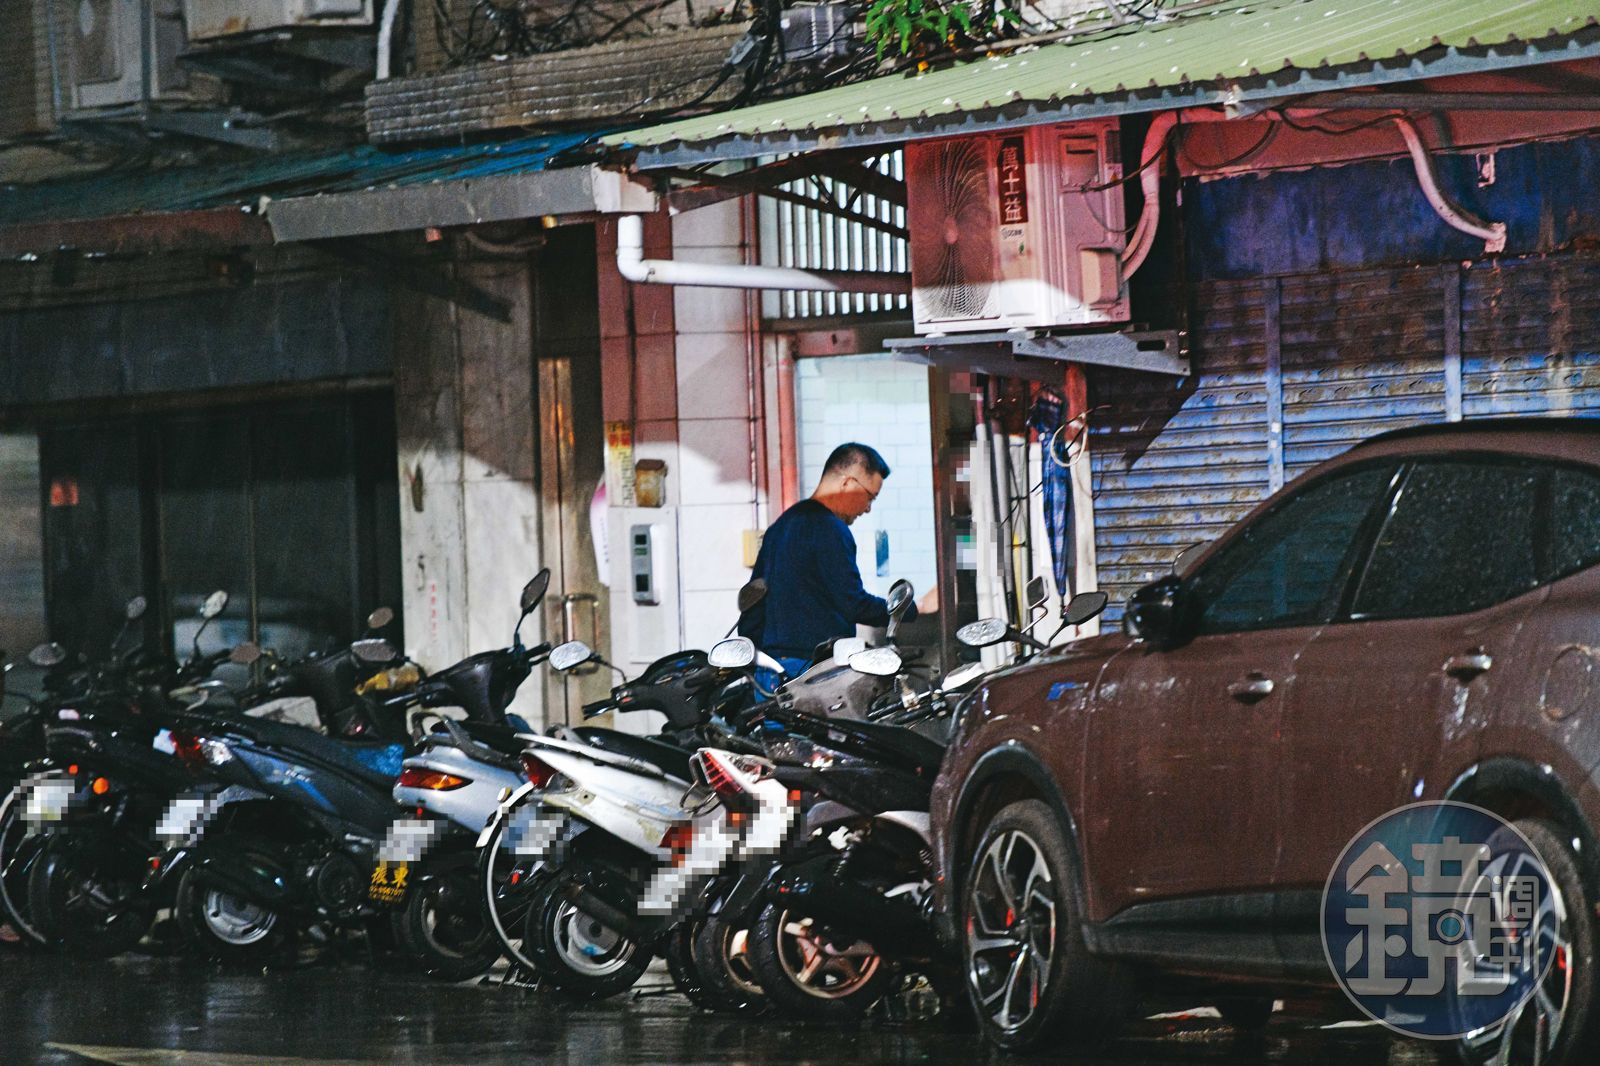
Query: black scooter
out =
(288, 842)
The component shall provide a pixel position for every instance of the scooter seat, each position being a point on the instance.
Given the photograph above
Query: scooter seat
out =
(916, 750)
(375, 761)
(667, 758)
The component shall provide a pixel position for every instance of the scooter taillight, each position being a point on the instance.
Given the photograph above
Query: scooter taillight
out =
(540, 773)
(186, 746)
(419, 777)
(678, 840)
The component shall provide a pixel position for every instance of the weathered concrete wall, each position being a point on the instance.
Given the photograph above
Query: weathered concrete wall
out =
(469, 507)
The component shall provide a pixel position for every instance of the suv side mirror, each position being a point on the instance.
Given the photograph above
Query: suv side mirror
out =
(1158, 612)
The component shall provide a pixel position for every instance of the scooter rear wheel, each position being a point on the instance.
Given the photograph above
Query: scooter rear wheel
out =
(721, 954)
(20, 845)
(809, 974)
(442, 926)
(77, 892)
(575, 952)
(228, 928)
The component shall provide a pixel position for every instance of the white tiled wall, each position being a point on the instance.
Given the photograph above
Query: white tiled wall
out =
(883, 403)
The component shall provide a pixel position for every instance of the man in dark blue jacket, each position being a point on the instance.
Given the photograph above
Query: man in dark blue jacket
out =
(808, 560)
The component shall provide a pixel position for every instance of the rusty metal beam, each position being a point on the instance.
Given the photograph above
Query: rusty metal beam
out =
(718, 188)
(846, 166)
(208, 230)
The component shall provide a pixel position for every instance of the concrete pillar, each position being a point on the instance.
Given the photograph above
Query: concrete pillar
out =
(469, 525)
(683, 366)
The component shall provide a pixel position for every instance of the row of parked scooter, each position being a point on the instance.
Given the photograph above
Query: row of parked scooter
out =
(770, 843)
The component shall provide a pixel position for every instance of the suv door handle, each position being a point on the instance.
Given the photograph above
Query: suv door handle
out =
(1252, 688)
(1468, 666)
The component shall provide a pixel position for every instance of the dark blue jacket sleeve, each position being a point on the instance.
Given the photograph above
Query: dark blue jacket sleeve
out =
(836, 564)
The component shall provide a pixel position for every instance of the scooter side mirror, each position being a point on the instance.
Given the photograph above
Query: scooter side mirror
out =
(983, 632)
(51, 654)
(735, 653)
(1084, 606)
(534, 590)
(845, 647)
(564, 657)
(136, 608)
(379, 618)
(1035, 593)
(899, 602)
(374, 651)
(245, 654)
(214, 605)
(878, 662)
(961, 677)
(753, 592)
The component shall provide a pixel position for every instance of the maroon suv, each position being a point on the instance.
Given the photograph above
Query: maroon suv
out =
(1416, 619)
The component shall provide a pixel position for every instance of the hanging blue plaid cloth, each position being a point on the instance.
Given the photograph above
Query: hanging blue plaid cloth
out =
(1046, 418)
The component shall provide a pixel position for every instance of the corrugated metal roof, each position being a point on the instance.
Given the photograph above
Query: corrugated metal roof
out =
(138, 191)
(1227, 51)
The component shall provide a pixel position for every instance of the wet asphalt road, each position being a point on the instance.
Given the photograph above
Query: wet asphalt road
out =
(154, 1011)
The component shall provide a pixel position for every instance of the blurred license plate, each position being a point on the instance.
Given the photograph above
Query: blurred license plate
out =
(48, 798)
(389, 882)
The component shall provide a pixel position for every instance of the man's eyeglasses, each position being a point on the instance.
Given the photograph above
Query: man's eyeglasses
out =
(873, 496)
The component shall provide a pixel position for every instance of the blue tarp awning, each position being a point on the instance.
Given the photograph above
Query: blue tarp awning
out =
(300, 197)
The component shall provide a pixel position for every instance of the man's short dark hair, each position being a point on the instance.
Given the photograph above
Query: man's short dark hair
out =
(846, 457)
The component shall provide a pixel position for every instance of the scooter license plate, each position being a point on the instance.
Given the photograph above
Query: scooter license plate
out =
(48, 799)
(388, 883)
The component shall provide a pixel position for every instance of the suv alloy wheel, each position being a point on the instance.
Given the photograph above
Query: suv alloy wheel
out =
(1029, 975)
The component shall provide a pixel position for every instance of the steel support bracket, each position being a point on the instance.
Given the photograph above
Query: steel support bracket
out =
(1023, 353)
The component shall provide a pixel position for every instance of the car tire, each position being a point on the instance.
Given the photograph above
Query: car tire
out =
(1072, 997)
(441, 925)
(1565, 1009)
(784, 948)
(227, 928)
(574, 952)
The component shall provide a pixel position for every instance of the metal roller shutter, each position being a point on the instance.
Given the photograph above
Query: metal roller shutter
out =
(1340, 358)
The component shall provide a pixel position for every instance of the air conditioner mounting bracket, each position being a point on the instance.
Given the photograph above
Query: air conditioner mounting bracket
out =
(1019, 353)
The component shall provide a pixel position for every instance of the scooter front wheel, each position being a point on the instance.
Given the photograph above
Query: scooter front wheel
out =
(508, 883)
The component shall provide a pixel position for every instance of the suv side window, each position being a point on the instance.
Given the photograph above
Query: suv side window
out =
(1460, 536)
(1290, 567)
(1574, 530)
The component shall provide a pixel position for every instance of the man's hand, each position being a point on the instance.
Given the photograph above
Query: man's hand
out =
(929, 603)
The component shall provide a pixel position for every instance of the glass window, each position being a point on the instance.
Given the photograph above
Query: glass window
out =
(1290, 566)
(1574, 531)
(1459, 537)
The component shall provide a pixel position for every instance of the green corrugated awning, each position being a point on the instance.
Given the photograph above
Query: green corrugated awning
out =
(1234, 51)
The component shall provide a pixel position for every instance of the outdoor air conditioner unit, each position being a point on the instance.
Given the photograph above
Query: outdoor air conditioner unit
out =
(123, 52)
(1017, 229)
(212, 19)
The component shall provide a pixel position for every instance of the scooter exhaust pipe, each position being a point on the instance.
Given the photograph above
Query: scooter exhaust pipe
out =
(853, 909)
(613, 918)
